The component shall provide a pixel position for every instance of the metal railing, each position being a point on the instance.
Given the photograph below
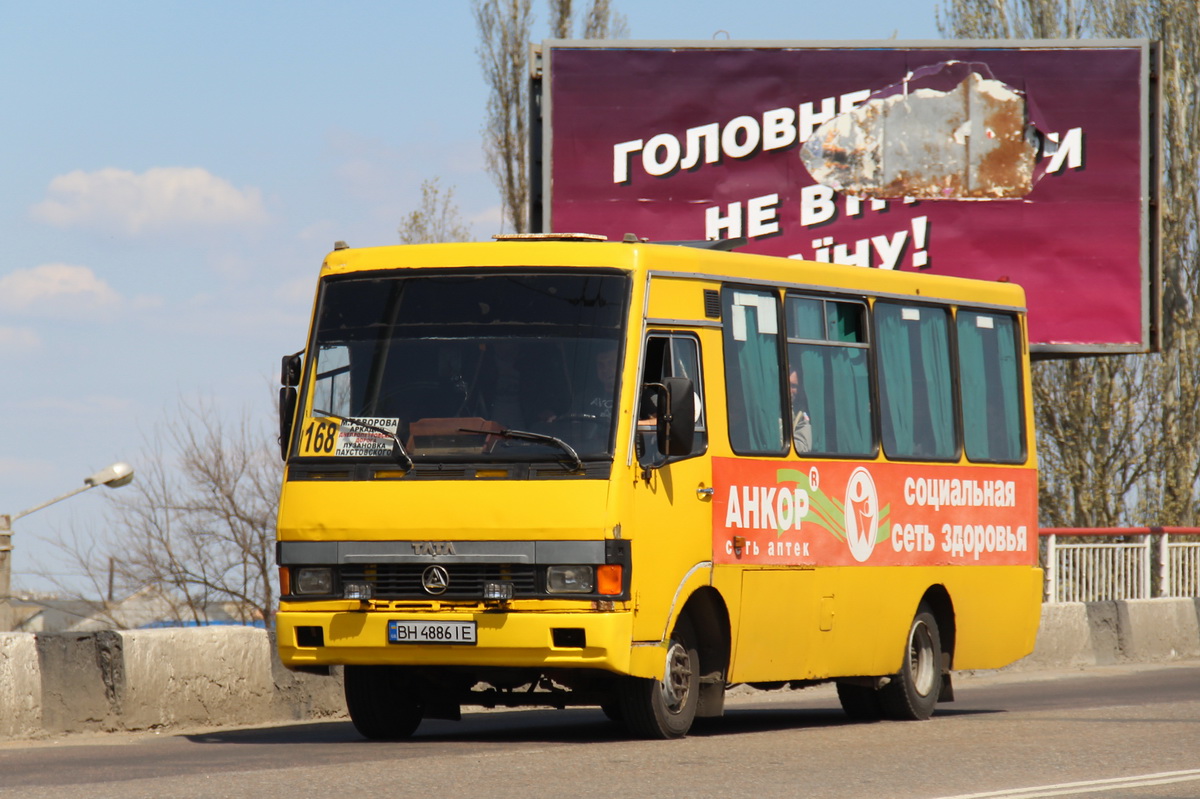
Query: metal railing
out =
(1126, 563)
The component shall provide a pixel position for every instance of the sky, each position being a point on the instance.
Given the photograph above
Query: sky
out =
(173, 173)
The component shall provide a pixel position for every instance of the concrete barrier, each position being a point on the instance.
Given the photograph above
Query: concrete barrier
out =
(82, 681)
(1064, 639)
(1079, 634)
(1159, 629)
(230, 676)
(149, 679)
(20, 686)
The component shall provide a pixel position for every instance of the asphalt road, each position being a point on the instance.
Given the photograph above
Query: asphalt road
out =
(1105, 732)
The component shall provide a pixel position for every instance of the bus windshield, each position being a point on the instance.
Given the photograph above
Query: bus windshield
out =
(454, 362)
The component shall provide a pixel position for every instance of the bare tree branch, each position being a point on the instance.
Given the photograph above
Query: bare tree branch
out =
(505, 31)
(197, 526)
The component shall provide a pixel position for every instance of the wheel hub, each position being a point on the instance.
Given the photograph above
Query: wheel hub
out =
(920, 652)
(677, 680)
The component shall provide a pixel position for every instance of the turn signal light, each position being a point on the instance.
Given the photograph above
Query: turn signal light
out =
(609, 579)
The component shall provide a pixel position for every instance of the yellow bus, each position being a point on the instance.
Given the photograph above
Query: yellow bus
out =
(555, 471)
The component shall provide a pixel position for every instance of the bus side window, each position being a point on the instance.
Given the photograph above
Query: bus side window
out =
(753, 379)
(990, 384)
(669, 355)
(915, 383)
(828, 377)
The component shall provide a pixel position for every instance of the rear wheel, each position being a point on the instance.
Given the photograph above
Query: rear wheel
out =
(665, 708)
(912, 694)
(382, 702)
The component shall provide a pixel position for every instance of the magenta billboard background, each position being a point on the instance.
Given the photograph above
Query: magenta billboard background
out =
(1079, 242)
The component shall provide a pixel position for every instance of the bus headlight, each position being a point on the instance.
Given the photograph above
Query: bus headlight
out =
(313, 581)
(570, 579)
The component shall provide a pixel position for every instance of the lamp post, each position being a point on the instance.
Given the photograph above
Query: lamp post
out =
(115, 476)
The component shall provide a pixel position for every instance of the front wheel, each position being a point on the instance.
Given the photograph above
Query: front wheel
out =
(665, 708)
(912, 693)
(382, 703)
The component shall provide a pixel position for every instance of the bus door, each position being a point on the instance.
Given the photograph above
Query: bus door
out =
(672, 500)
(759, 545)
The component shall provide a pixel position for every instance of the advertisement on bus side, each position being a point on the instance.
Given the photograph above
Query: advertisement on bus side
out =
(837, 513)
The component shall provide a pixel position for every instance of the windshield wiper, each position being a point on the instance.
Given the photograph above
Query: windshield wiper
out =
(525, 435)
(402, 456)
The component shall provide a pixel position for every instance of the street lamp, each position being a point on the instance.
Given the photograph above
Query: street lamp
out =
(115, 476)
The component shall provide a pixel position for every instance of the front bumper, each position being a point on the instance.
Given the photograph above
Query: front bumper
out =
(504, 639)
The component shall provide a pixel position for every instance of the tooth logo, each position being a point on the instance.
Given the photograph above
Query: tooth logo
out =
(862, 514)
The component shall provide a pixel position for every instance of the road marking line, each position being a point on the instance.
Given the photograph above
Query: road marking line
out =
(1067, 788)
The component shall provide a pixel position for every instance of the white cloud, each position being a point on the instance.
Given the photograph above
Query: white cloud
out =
(157, 199)
(18, 341)
(56, 290)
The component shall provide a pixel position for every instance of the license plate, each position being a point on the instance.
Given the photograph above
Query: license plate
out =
(403, 631)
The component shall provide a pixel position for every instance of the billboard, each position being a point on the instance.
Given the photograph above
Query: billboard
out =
(1030, 162)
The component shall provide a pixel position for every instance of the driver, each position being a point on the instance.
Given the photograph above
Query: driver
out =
(599, 400)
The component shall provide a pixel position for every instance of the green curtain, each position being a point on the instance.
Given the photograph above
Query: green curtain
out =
(805, 318)
(759, 360)
(935, 363)
(754, 381)
(896, 380)
(811, 363)
(990, 380)
(972, 375)
(1010, 390)
(916, 382)
(852, 399)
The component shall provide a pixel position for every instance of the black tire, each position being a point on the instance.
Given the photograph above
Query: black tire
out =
(665, 708)
(912, 694)
(861, 702)
(382, 702)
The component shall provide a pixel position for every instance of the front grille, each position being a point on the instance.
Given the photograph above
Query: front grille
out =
(403, 581)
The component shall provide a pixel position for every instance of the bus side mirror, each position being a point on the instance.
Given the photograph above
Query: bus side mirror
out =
(289, 378)
(677, 417)
(287, 418)
(289, 370)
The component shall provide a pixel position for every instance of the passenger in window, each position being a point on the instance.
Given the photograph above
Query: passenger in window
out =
(801, 424)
